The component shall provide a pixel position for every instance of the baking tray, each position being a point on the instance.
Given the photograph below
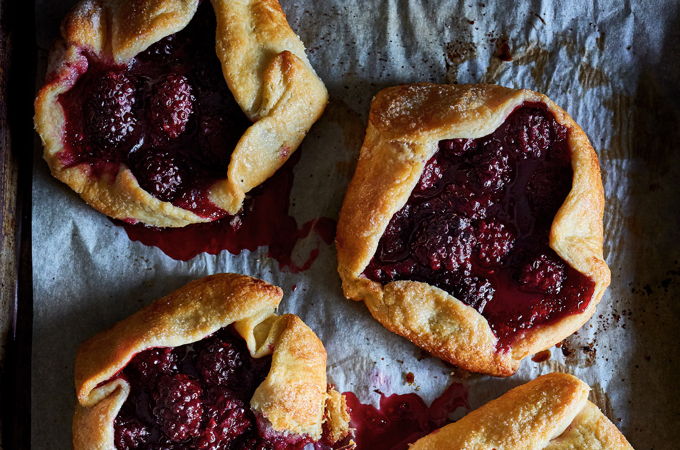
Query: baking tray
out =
(18, 56)
(643, 216)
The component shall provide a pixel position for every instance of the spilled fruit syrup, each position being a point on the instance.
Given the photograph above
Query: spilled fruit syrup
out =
(401, 419)
(167, 115)
(264, 221)
(197, 396)
(170, 118)
(541, 356)
(477, 224)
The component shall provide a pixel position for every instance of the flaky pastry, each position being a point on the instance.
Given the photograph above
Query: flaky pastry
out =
(550, 412)
(262, 61)
(408, 129)
(291, 402)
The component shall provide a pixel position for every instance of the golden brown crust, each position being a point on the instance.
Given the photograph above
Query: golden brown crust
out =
(405, 124)
(551, 411)
(337, 418)
(592, 430)
(264, 65)
(93, 426)
(292, 397)
(299, 363)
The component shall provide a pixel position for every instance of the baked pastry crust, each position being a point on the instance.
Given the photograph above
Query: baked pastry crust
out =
(405, 124)
(550, 412)
(264, 65)
(294, 396)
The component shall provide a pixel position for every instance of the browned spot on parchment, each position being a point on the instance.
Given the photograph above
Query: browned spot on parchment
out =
(577, 354)
(493, 71)
(590, 353)
(538, 57)
(351, 123)
(503, 51)
(614, 219)
(556, 366)
(621, 140)
(456, 53)
(532, 54)
(541, 356)
(599, 41)
(600, 398)
(506, 53)
(462, 374)
(591, 77)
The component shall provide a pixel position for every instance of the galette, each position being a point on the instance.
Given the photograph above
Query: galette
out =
(209, 366)
(551, 412)
(473, 223)
(167, 112)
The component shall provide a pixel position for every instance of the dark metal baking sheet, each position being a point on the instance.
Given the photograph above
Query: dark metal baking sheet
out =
(613, 65)
(17, 87)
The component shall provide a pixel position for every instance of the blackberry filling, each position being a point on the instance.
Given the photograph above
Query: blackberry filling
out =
(197, 396)
(168, 116)
(478, 221)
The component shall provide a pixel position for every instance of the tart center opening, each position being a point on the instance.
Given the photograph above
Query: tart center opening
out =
(168, 116)
(197, 396)
(477, 225)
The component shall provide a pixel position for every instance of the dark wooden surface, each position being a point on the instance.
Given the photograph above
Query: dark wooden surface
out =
(17, 87)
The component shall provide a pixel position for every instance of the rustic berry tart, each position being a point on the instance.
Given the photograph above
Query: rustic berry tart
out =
(167, 112)
(473, 223)
(209, 366)
(550, 412)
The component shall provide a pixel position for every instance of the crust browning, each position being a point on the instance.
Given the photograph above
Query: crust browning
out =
(549, 412)
(292, 397)
(337, 418)
(264, 65)
(590, 429)
(405, 125)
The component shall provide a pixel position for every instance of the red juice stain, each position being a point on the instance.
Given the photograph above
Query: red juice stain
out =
(541, 356)
(503, 50)
(264, 222)
(401, 419)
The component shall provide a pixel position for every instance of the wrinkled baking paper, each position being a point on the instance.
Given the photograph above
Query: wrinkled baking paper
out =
(612, 65)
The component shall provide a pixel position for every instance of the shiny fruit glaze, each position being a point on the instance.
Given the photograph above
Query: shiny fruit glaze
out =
(263, 221)
(197, 396)
(401, 419)
(477, 225)
(168, 115)
(171, 119)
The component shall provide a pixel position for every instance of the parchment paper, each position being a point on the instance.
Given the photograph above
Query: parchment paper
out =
(612, 65)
